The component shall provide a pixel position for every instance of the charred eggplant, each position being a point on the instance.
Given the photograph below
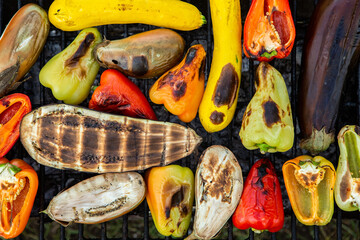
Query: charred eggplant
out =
(331, 49)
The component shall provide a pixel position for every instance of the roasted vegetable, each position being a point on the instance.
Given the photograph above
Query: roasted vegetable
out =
(330, 52)
(98, 199)
(18, 185)
(64, 136)
(310, 183)
(260, 206)
(170, 196)
(143, 55)
(218, 188)
(347, 185)
(21, 44)
(269, 30)
(12, 109)
(117, 94)
(182, 87)
(267, 122)
(71, 72)
(218, 104)
(73, 15)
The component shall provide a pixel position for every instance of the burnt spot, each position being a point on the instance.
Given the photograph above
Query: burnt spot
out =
(263, 69)
(176, 82)
(84, 46)
(217, 117)
(114, 126)
(71, 121)
(219, 184)
(184, 210)
(191, 55)
(226, 87)
(178, 197)
(5, 102)
(115, 61)
(262, 170)
(89, 160)
(140, 65)
(111, 159)
(345, 187)
(167, 212)
(357, 130)
(314, 177)
(271, 112)
(90, 122)
(305, 180)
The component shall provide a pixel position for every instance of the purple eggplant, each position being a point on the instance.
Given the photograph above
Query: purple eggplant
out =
(331, 50)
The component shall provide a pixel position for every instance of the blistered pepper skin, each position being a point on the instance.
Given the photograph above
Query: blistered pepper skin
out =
(347, 185)
(170, 196)
(71, 72)
(260, 206)
(310, 184)
(182, 87)
(267, 122)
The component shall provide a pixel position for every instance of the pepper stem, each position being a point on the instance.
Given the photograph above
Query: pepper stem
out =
(12, 169)
(263, 147)
(203, 19)
(269, 55)
(257, 231)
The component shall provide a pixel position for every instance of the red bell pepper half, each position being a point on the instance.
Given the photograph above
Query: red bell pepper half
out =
(117, 94)
(260, 206)
(269, 30)
(12, 109)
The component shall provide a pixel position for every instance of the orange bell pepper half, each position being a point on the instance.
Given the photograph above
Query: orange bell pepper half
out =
(269, 30)
(170, 195)
(18, 185)
(310, 185)
(12, 109)
(181, 88)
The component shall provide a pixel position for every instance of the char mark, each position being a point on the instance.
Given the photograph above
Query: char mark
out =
(140, 65)
(81, 51)
(226, 87)
(217, 117)
(271, 113)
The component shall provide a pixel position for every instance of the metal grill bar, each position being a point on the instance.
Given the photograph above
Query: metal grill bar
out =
(209, 139)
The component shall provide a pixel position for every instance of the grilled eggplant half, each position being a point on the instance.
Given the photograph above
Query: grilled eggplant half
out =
(331, 50)
(98, 199)
(64, 136)
(218, 188)
(21, 44)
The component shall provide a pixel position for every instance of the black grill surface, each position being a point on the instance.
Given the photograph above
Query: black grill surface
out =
(138, 223)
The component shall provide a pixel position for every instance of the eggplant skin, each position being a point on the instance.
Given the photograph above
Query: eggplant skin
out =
(143, 55)
(331, 50)
(21, 44)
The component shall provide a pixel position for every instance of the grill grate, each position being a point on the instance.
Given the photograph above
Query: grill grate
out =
(53, 181)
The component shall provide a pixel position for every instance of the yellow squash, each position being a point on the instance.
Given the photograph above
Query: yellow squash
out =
(220, 98)
(74, 15)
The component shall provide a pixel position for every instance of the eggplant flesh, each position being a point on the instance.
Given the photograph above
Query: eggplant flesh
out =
(331, 51)
(21, 44)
